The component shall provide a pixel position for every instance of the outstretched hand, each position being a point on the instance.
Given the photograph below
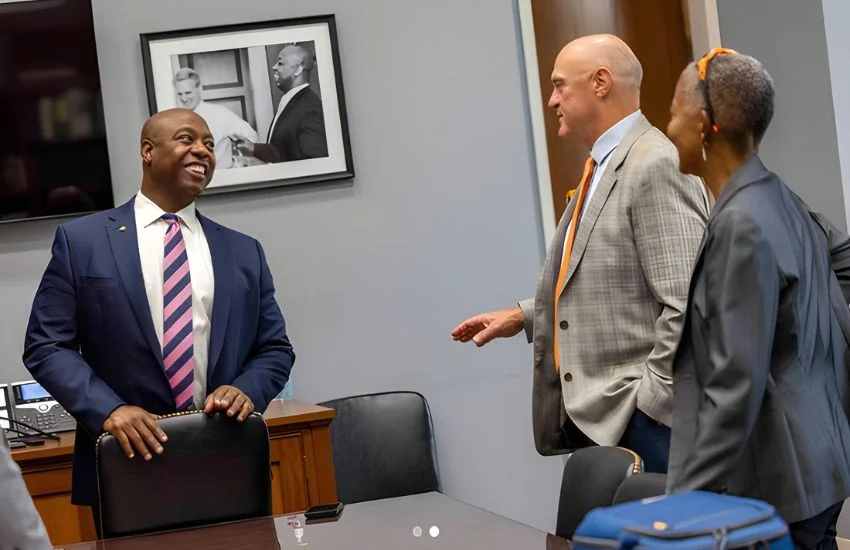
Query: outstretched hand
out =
(484, 327)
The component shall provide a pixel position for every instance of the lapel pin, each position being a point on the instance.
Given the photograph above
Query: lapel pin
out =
(122, 228)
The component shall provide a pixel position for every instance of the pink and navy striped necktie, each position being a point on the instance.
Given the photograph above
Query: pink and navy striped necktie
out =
(177, 339)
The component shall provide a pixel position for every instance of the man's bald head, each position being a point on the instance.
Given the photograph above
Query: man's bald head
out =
(596, 83)
(297, 55)
(166, 120)
(596, 51)
(293, 67)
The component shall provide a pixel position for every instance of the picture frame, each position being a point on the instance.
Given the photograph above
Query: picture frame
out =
(270, 91)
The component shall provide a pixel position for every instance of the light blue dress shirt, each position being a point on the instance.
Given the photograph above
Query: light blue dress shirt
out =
(601, 153)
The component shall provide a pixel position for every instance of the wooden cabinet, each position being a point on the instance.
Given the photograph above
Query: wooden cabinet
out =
(301, 463)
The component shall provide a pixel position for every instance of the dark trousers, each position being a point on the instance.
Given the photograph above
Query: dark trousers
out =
(818, 532)
(648, 438)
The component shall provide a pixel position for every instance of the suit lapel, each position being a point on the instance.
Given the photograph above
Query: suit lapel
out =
(600, 195)
(748, 173)
(222, 260)
(555, 254)
(124, 242)
(294, 101)
(588, 219)
(695, 271)
(286, 110)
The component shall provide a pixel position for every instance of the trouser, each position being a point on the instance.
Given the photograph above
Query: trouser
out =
(818, 532)
(643, 435)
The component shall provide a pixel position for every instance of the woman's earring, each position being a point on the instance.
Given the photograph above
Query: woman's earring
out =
(703, 152)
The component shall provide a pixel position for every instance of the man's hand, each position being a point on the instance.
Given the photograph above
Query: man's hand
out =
(135, 428)
(244, 145)
(486, 326)
(230, 399)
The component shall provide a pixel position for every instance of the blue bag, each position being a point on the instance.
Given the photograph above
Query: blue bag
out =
(694, 520)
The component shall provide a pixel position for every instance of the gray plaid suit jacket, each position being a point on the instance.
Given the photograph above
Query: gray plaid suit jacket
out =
(623, 300)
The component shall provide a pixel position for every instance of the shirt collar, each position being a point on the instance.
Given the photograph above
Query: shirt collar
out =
(609, 141)
(290, 94)
(147, 212)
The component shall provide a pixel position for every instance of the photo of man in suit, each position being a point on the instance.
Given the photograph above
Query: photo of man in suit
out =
(152, 308)
(298, 129)
(608, 311)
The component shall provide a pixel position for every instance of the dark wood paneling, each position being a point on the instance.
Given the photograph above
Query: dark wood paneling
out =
(654, 29)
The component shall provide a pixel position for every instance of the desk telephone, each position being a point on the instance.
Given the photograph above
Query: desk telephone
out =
(29, 404)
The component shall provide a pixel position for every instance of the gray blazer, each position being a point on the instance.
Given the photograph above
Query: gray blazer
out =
(21, 527)
(760, 379)
(623, 300)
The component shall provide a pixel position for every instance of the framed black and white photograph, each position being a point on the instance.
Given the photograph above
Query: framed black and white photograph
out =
(271, 93)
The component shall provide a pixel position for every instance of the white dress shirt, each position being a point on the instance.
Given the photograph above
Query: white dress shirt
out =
(151, 231)
(222, 122)
(284, 101)
(601, 153)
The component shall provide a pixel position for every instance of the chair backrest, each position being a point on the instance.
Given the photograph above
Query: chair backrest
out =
(213, 469)
(641, 486)
(383, 446)
(591, 478)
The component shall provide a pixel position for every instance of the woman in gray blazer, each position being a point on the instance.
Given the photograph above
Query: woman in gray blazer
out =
(760, 382)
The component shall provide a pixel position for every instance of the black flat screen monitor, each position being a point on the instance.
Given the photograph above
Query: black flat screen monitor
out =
(53, 155)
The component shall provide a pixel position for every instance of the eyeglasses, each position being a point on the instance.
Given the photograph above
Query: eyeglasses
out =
(702, 69)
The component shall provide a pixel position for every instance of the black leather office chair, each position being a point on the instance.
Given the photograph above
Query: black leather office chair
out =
(591, 478)
(383, 446)
(641, 486)
(213, 469)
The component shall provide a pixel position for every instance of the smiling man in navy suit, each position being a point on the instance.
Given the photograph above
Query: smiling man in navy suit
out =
(152, 308)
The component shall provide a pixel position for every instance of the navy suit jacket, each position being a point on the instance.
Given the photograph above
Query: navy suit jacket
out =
(91, 342)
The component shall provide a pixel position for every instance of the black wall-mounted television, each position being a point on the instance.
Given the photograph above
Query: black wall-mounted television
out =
(53, 155)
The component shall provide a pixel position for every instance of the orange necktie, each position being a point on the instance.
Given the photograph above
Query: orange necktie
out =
(589, 166)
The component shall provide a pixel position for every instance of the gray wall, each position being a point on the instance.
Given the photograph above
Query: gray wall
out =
(788, 37)
(441, 222)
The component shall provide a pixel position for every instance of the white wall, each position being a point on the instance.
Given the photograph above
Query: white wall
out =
(441, 222)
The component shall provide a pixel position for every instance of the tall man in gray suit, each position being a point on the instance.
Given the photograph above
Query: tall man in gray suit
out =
(761, 381)
(20, 525)
(607, 315)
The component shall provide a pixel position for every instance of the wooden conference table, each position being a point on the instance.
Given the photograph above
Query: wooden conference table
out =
(404, 522)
